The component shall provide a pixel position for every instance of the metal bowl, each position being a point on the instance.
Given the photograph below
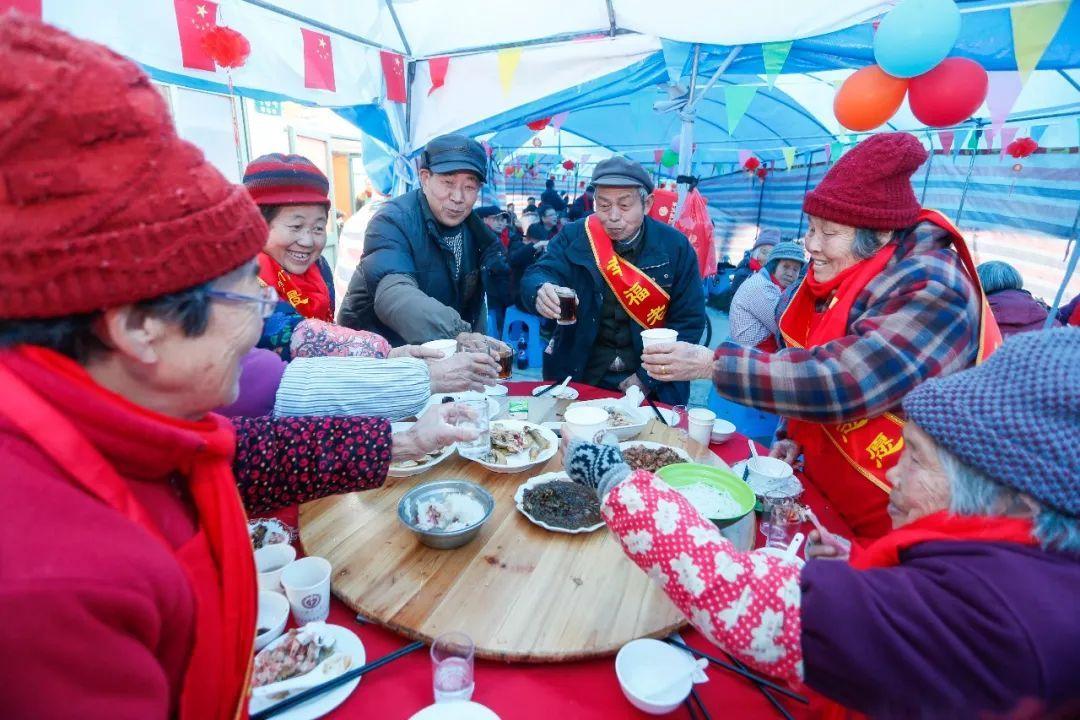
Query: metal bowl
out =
(436, 490)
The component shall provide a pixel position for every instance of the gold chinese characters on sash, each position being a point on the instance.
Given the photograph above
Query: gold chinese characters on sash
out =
(640, 296)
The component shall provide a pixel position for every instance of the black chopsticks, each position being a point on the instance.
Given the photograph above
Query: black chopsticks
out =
(659, 415)
(693, 700)
(756, 679)
(764, 690)
(345, 677)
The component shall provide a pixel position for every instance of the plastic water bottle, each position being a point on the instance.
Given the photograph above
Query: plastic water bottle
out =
(522, 352)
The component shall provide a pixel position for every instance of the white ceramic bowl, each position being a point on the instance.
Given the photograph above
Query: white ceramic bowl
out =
(563, 392)
(721, 430)
(641, 666)
(273, 614)
(643, 415)
(521, 462)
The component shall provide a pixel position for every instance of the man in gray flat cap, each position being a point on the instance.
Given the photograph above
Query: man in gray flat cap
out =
(426, 255)
(630, 272)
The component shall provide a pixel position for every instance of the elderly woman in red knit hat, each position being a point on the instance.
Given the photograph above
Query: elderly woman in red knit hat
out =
(130, 294)
(891, 299)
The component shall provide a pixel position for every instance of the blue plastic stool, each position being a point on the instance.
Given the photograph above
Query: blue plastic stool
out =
(748, 421)
(535, 349)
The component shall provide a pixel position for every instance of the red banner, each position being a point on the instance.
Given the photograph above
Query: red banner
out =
(640, 296)
(393, 68)
(663, 208)
(438, 67)
(318, 61)
(193, 19)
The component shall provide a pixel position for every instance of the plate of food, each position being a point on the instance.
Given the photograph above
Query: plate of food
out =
(301, 658)
(408, 468)
(556, 503)
(627, 421)
(269, 531)
(517, 445)
(438, 398)
(651, 456)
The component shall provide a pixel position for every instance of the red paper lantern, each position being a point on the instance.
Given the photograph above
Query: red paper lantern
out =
(510, 170)
(751, 164)
(568, 164)
(761, 173)
(538, 125)
(226, 46)
(948, 94)
(1022, 148)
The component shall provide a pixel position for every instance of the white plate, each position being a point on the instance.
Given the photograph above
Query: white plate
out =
(455, 711)
(790, 481)
(562, 393)
(437, 398)
(656, 446)
(345, 642)
(521, 461)
(519, 500)
(644, 415)
(399, 472)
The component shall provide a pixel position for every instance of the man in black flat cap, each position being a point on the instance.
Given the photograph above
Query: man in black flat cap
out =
(630, 274)
(427, 254)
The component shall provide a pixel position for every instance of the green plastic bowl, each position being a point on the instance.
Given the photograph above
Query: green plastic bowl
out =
(683, 474)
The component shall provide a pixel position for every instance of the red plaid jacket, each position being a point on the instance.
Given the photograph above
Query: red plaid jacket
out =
(918, 319)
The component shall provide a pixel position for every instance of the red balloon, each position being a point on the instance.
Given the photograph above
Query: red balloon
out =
(868, 99)
(948, 94)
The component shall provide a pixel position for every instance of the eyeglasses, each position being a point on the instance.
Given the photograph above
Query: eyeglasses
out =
(267, 301)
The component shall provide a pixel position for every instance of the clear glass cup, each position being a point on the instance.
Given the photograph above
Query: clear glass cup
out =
(784, 517)
(682, 424)
(479, 421)
(452, 667)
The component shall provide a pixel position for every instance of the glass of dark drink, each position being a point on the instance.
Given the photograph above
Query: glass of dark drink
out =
(506, 361)
(567, 306)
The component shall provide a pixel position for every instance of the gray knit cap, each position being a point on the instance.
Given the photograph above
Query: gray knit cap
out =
(1015, 418)
(788, 250)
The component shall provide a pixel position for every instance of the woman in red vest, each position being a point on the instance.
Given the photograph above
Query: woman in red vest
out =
(891, 299)
(131, 293)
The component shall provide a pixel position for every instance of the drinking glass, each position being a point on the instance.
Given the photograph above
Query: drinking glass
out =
(505, 359)
(568, 302)
(784, 518)
(682, 424)
(479, 421)
(452, 667)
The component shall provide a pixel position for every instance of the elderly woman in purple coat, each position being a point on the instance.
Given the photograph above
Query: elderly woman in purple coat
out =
(969, 608)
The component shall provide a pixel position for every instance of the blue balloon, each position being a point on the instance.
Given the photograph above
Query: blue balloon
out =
(915, 36)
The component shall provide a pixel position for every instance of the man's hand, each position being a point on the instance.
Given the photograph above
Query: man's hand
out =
(786, 450)
(673, 362)
(463, 371)
(435, 429)
(632, 381)
(547, 302)
(415, 351)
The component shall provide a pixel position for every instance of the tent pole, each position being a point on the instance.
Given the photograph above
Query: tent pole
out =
(686, 135)
(692, 103)
(971, 167)
(806, 188)
(1068, 273)
(760, 202)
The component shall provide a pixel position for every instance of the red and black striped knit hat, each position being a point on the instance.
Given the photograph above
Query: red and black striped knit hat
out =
(277, 179)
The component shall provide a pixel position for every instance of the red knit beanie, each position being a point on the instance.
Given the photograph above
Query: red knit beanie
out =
(101, 204)
(277, 179)
(870, 187)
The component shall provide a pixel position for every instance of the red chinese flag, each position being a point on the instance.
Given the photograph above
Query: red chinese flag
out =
(318, 61)
(26, 7)
(193, 19)
(393, 69)
(438, 67)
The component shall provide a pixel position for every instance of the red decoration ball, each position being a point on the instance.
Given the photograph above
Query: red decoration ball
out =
(538, 125)
(568, 164)
(761, 173)
(752, 164)
(1022, 148)
(226, 46)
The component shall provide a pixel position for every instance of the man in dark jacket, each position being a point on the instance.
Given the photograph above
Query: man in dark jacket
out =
(551, 197)
(582, 205)
(426, 253)
(651, 267)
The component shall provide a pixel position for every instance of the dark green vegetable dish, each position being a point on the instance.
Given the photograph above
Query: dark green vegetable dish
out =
(562, 504)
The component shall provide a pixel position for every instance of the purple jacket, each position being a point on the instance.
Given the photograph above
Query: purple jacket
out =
(1016, 311)
(260, 376)
(956, 630)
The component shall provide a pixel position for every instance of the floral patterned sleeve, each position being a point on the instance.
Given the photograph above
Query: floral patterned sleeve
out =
(283, 461)
(747, 603)
(317, 338)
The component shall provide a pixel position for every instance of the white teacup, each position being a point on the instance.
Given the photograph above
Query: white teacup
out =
(270, 562)
(655, 336)
(583, 422)
(307, 585)
(446, 347)
(700, 422)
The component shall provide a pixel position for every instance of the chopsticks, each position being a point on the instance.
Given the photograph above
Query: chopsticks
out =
(659, 415)
(700, 706)
(553, 385)
(764, 690)
(304, 696)
(756, 679)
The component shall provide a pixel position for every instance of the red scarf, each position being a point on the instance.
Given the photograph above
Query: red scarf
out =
(96, 437)
(755, 265)
(808, 326)
(775, 281)
(307, 293)
(1074, 318)
(885, 551)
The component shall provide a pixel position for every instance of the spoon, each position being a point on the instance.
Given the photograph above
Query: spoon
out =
(753, 448)
(793, 547)
(331, 667)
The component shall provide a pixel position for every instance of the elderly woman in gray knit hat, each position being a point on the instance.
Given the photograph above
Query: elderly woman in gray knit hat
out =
(968, 608)
(752, 318)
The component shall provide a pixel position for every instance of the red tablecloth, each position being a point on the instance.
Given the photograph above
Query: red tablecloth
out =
(564, 691)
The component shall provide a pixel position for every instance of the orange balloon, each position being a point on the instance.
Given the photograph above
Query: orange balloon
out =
(868, 99)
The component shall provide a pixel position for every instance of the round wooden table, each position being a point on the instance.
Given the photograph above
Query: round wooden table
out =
(521, 592)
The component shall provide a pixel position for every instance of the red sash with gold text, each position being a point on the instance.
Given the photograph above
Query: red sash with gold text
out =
(871, 446)
(307, 293)
(639, 295)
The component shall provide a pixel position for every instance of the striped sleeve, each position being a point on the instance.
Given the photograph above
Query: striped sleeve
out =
(391, 389)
